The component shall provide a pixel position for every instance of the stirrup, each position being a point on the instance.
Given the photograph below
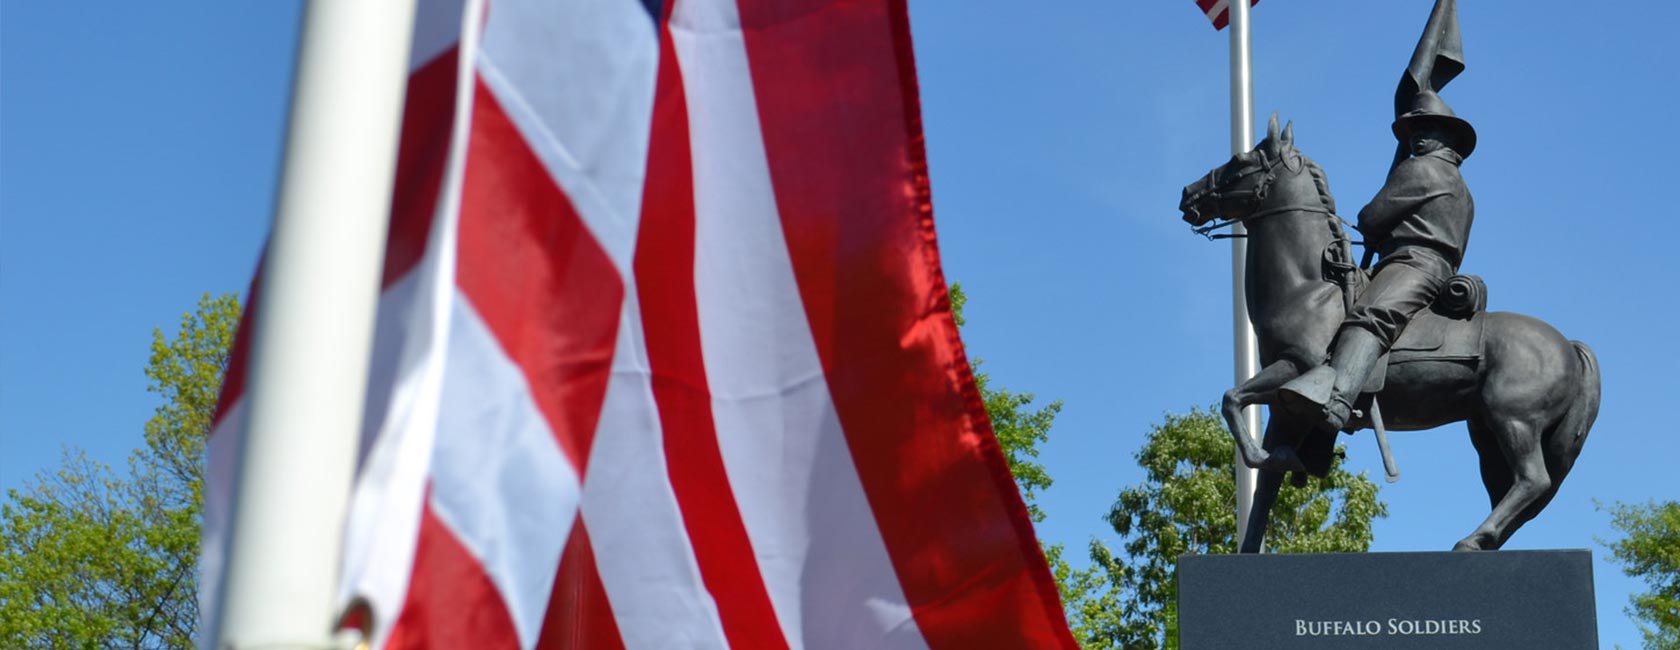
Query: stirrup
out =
(1338, 412)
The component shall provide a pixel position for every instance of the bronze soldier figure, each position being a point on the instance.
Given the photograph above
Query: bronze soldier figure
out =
(1419, 225)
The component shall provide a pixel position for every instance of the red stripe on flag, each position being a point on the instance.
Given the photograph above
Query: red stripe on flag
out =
(578, 613)
(421, 159)
(537, 277)
(451, 603)
(421, 154)
(239, 355)
(664, 266)
(843, 135)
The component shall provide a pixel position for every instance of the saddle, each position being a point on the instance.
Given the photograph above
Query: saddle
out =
(1451, 329)
(1435, 334)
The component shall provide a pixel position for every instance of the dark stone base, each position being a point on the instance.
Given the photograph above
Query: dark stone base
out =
(1525, 600)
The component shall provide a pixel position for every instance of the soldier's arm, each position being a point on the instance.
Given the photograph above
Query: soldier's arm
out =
(1412, 184)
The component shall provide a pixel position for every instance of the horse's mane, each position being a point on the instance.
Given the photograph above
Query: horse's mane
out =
(1320, 182)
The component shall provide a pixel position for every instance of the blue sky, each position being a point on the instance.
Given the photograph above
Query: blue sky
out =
(138, 151)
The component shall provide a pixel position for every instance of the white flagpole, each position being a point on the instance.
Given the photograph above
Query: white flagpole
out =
(314, 327)
(1246, 349)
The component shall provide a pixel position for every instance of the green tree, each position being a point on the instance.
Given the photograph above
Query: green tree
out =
(1650, 549)
(97, 559)
(1184, 506)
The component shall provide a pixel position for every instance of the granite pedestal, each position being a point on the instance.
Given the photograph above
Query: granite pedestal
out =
(1527, 600)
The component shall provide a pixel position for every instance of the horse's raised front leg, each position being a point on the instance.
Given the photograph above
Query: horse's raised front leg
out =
(1259, 389)
(1519, 442)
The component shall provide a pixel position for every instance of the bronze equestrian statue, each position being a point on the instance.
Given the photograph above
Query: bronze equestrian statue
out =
(1408, 345)
(1528, 395)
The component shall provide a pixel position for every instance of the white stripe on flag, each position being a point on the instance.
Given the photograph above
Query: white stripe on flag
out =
(382, 524)
(499, 479)
(437, 27)
(1218, 7)
(576, 77)
(221, 460)
(825, 566)
(644, 556)
(399, 425)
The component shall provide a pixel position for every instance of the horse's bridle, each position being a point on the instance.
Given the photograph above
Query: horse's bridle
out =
(1253, 195)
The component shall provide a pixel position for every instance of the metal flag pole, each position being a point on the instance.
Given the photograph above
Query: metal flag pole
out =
(314, 327)
(1246, 349)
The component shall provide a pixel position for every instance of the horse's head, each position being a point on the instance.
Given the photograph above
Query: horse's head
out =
(1236, 189)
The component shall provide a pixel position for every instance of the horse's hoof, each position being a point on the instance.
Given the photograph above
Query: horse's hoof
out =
(1467, 545)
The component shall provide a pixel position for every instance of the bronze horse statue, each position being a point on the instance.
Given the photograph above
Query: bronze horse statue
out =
(1528, 395)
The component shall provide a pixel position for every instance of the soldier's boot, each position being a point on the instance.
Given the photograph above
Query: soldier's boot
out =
(1309, 394)
(1327, 392)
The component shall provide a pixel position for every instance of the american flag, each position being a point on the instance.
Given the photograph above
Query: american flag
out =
(664, 357)
(1219, 11)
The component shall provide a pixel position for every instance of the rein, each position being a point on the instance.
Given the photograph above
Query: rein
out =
(1207, 230)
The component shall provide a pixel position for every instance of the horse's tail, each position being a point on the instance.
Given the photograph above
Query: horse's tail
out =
(1570, 433)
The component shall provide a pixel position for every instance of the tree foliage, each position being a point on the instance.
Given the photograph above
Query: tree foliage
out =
(97, 559)
(1650, 550)
(1184, 506)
